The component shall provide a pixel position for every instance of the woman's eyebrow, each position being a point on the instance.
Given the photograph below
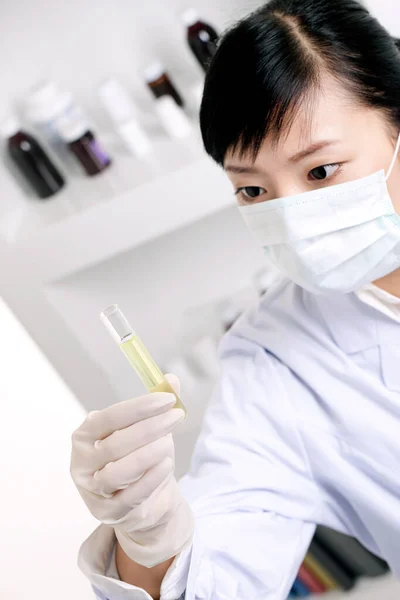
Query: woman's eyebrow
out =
(239, 169)
(312, 149)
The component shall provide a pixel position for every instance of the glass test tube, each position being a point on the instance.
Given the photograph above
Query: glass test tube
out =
(136, 353)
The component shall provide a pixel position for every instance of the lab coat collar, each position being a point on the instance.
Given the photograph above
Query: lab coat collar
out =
(290, 320)
(290, 317)
(353, 324)
(357, 326)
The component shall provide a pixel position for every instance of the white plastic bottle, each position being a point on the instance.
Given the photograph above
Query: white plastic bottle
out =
(168, 101)
(43, 107)
(122, 112)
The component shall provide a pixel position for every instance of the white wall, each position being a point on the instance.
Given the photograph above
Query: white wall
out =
(79, 42)
(388, 13)
(43, 517)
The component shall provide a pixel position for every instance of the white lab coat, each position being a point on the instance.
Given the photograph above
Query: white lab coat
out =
(303, 428)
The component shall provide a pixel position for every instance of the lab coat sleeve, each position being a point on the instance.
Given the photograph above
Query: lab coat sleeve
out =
(249, 485)
(97, 561)
(250, 488)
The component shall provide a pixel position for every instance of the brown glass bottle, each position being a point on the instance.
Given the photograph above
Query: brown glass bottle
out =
(91, 156)
(201, 37)
(31, 160)
(160, 83)
(83, 144)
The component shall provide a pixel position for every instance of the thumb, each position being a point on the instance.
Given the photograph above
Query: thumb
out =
(174, 382)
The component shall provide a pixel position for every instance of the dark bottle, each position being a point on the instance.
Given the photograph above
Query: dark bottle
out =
(201, 37)
(160, 83)
(31, 160)
(83, 144)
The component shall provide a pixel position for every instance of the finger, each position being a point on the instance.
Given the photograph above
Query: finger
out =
(118, 475)
(100, 424)
(142, 489)
(125, 500)
(113, 510)
(154, 509)
(174, 382)
(125, 441)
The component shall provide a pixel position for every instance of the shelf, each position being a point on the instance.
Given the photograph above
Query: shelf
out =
(101, 230)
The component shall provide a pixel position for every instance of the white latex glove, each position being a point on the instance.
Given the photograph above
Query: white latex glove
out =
(123, 463)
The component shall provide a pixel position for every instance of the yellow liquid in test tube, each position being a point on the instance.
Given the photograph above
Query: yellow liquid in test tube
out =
(137, 353)
(151, 375)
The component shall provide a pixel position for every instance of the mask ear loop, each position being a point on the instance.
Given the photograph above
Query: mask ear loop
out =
(396, 151)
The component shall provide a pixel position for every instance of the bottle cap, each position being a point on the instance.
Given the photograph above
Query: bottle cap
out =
(9, 127)
(42, 93)
(116, 101)
(190, 17)
(45, 102)
(154, 71)
(70, 128)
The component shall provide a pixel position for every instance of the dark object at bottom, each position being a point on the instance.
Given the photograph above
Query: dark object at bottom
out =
(357, 559)
(344, 578)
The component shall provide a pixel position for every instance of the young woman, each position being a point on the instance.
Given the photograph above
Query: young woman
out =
(302, 109)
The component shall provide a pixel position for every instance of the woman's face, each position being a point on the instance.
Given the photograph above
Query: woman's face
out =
(333, 141)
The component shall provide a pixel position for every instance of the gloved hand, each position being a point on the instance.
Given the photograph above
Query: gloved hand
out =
(123, 463)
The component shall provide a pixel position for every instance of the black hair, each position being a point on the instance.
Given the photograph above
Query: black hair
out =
(270, 62)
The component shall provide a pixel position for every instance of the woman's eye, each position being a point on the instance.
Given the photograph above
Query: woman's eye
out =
(251, 191)
(323, 172)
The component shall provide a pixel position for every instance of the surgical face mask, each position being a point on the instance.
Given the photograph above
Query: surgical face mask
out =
(335, 239)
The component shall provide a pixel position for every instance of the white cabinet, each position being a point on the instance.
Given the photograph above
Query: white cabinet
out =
(126, 221)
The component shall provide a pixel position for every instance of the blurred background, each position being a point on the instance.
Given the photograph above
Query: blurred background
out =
(107, 197)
